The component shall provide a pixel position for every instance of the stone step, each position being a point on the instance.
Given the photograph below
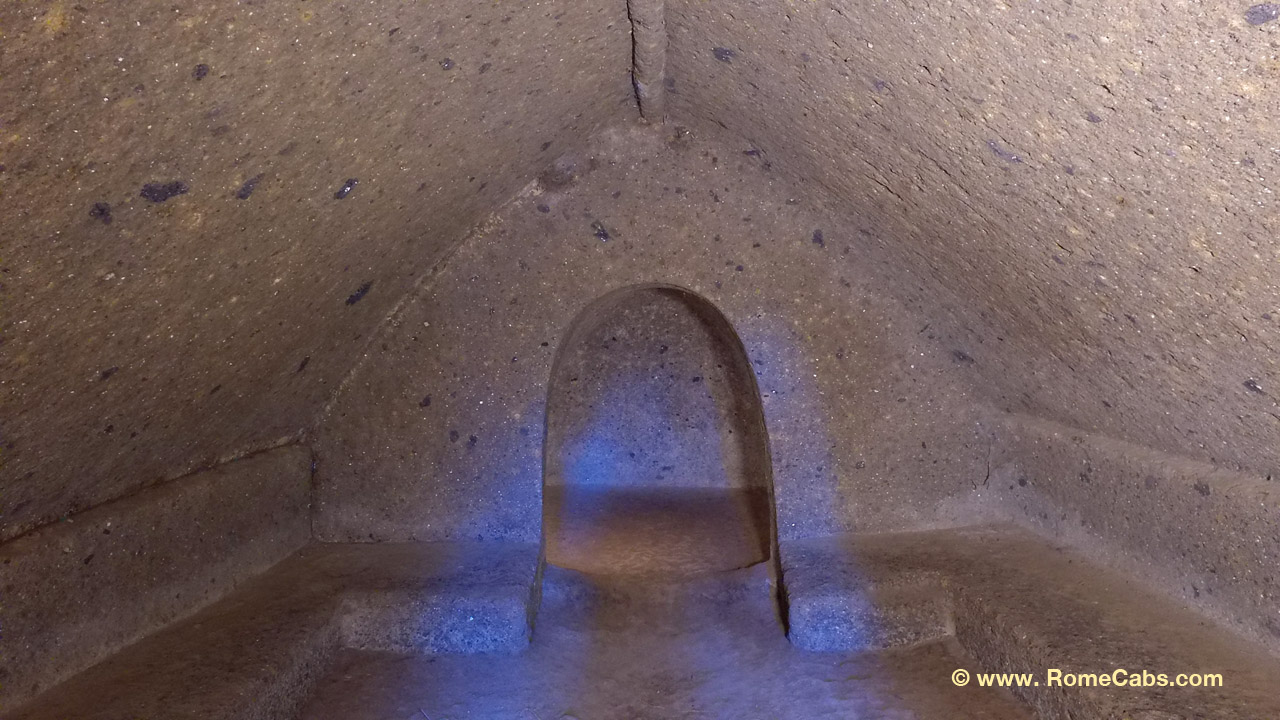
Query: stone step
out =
(578, 588)
(1017, 604)
(1011, 601)
(258, 653)
(592, 602)
(882, 613)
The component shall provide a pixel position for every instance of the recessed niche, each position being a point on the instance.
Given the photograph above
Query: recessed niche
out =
(656, 456)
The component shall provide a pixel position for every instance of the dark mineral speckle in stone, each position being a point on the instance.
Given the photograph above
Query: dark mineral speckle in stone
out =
(346, 188)
(359, 294)
(248, 187)
(1263, 13)
(101, 211)
(159, 192)
(199, 72)
(723, 54)
(1002, 153)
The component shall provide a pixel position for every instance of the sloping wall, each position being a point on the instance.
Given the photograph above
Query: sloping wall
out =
(1087, 188)
(75, 592)
(208, 207)
(1201, 533)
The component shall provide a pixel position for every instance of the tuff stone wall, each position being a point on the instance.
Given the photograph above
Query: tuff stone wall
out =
(1200, 533)
(1087, 188)
(439, 433)
(1087, 191)
(208, 208)
(952, 237)
(75, 592)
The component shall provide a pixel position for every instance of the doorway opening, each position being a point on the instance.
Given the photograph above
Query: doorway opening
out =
(656, 459)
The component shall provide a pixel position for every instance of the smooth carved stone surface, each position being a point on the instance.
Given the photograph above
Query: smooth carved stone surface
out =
(1019, 604)
(1088, 190)
(646, 648)
(258, 653)
(655, 531)
(440, 433)
(73, 593)
(193, 194)
(1203, 534)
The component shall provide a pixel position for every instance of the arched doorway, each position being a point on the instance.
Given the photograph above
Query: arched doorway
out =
(656, 457)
